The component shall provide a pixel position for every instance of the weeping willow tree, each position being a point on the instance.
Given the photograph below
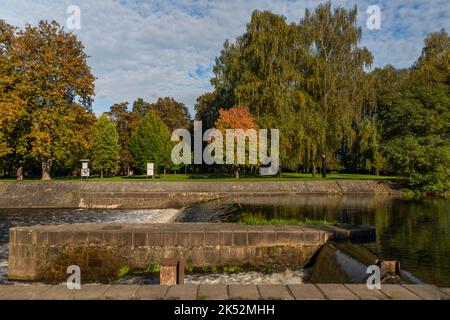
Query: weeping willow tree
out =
(337, 80)
(306, 79)
(260, 70)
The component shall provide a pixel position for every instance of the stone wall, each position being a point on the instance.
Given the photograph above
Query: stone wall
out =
(43, 253)
(165, 194)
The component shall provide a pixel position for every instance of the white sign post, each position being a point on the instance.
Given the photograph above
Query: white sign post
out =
(150, 172)
(85, 169)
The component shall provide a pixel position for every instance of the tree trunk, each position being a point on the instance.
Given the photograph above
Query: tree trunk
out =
(236, 173)
(164, 172)
(46, 168)
(185, 169)
(324, 166)
(377, 172)
(313, 170)
(101, 174)
(19, 173)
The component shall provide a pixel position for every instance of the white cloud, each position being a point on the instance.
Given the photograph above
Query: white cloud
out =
(153, 48)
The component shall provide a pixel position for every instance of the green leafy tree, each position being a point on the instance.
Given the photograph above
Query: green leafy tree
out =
(336, 73)
(105, 146)
(126, 122)
(414, 112)
(140, 108)
(173, 113)
(151, 143)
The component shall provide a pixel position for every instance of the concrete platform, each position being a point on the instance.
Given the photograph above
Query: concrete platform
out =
(224, 292)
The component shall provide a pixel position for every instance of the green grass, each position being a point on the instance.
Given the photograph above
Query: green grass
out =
(222, 178)
(253, 220)
(123, 271)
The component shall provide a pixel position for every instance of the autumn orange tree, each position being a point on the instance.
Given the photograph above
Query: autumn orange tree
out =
(236, 118)
(57, 88)
(14, 115)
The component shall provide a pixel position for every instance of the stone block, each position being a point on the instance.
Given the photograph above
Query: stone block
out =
(139, 239)
(243, 291)
(120, 292)
(125, 239)
(78, 237)
(182, 292)
(283, 238)
(254, 238)
(183, 239)
(274, 292)
(226, 238)
(337, 292)
(306, 291)
(95, 237)
(212, 292)
(211, 238)
(269, 237)
(197, 239)
(57, 292)
(397, 292)
(427, 291)
(154, 239)
(365, 293)
(151, 292)
(169, 238)
(23, 237)
(240, 238)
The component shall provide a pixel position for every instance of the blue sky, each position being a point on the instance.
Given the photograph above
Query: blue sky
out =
(152, 49)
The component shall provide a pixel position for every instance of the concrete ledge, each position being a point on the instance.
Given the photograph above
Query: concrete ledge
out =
(166, 194)
(100, 250)
(43, 253)
(223, 292)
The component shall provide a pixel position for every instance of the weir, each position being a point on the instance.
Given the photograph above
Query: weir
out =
(43, 253)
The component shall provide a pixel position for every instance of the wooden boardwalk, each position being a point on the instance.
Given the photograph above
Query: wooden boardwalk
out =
(224, 292)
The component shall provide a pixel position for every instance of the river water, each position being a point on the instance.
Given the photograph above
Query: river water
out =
(414, 232)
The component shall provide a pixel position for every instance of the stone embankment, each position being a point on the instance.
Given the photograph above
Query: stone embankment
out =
(165, 194)
(43, 253)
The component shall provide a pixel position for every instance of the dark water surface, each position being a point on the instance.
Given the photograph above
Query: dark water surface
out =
(414, 232)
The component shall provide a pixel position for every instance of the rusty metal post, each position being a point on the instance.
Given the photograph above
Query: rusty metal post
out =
(180, 273)
(171, 271)
(168, 272)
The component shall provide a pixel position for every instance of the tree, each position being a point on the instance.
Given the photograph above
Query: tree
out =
(262, 70)
(151, 142)
(105, 146)
(173, 113)
(207, 110)
(336, 75)
(57, 86)
(15, 119)
(126, 122)
(140, 108)
(236, 118)
(414, 111)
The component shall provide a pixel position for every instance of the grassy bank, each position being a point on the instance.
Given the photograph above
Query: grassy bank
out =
(223, 178)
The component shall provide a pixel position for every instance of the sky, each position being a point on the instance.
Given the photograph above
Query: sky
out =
(151, 49)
